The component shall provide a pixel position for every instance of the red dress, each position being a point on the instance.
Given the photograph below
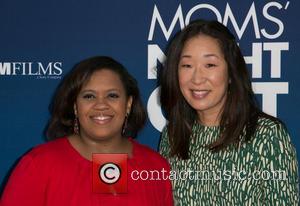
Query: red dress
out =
(55, 174)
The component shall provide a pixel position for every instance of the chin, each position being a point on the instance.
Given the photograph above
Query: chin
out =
(101, 136)
(198, 107)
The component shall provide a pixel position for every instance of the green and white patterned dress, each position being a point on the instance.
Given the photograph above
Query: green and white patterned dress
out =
(263, 171)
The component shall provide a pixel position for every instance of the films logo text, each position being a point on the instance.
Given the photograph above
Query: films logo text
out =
(40, 70)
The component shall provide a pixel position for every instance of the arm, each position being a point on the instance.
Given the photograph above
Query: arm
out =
(164, 146)
(169, 201)
(281, 157)
(164, 149)
(25, 186)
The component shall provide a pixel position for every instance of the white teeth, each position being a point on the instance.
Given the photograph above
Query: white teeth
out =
(200, 92)
(101, 118)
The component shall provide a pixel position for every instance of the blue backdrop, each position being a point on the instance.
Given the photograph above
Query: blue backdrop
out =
(41, 41)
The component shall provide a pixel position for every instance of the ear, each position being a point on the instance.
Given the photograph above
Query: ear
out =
(75, 109)
(129, 104)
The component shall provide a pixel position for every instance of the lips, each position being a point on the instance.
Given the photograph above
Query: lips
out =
(200, 94)
(101, 119)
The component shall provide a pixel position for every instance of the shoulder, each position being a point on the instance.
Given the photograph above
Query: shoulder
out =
(275, 152)
(272, 130)
(52, 152)
(164, 144)
(165, 130)
(272, 139)
(267, 123)
(36, 164)
(151, 156)
(270, 127)
(164, 136)
(49, 148)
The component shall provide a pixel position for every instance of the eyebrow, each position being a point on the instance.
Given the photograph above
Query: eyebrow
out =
(206, 55)
(87, 91)
(185, 56)
(211, 55)
(93, 91)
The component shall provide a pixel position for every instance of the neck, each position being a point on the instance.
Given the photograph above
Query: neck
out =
(209, 119)
(87, 146)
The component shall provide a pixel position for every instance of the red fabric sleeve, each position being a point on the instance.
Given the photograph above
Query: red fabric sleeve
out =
(169, 201)
(169, 196)
(26, 186)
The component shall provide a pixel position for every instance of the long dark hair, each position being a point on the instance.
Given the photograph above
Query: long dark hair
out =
(62, 111)
(241, 111)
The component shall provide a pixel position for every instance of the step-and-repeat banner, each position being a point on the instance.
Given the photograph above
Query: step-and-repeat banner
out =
(40, 41)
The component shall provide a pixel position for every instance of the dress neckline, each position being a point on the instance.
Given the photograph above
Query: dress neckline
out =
(83, 160)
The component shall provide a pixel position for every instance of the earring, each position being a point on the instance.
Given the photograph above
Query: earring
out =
(125, 124)
(76, 127)
(229, 85)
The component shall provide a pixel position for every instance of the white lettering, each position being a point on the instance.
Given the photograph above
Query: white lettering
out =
(167, 33)
(255, 60)
(156, 117)
(276, 48)
(272, 19)
(5, 68)
(57, 67)
(16, 67)
(137, 175)
(269, 91)
(30, 70)
(154, 54)
(203, 6)
(251, 14)
(43, 71)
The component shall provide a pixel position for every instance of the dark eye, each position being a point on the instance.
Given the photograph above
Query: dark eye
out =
(113, 95)
(210, 65)
(186, 66)
(88, 96)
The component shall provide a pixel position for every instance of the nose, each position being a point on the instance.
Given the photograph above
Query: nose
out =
(198, 75)
(101, 104)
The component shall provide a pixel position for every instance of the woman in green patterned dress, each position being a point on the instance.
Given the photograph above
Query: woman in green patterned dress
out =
(222, 148)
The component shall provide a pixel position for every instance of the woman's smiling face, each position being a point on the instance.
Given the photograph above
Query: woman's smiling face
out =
(101, 106)
(203, 76)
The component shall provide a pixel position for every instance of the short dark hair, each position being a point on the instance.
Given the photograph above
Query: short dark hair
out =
(240, 110)
(62, 110)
